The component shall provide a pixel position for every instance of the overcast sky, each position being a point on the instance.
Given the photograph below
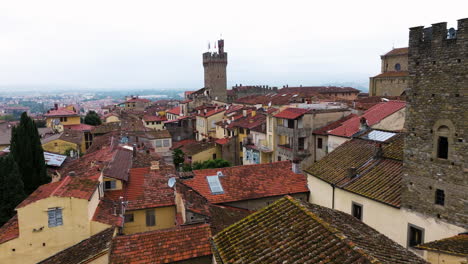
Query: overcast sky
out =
(158, 44)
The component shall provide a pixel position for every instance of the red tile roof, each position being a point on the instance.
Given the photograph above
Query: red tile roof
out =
(154, 118)
(325, 129)
(291, 113)
(80, 127)
(250, 182)
(249, 121)
(222, 141)
(319, 89)
(61, 112)
(398, 51)
(148, 188)
(138, 100)
(292, 231)
(373, 116)
(105, 213)
(70, 186)
(393, 74)
(9, 230)
(212, 112)
(175, 111)
(162, 246)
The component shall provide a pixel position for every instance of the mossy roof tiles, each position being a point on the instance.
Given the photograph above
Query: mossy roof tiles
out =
(377, 177)
(291, 231)
(455, 245)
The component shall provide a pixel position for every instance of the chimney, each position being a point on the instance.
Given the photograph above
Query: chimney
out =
(296, 166)
(378, 151)
(244, 113)
(72, 173)
(134, 150)
(363, 126)
(352, 172)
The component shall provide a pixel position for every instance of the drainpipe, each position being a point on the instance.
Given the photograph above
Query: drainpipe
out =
(333, 195)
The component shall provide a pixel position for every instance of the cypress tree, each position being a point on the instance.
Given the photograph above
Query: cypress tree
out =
(28, 154)
(11, 188)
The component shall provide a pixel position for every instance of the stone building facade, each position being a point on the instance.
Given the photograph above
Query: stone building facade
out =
(239, 91)
(435, 174)
(394, 78)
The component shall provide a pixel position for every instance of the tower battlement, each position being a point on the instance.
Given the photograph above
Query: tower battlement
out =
(214, 57)
(425, 40)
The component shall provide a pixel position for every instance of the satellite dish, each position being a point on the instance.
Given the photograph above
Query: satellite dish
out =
(171, 182)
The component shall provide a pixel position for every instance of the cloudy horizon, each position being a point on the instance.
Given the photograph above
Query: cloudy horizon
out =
(122, 44)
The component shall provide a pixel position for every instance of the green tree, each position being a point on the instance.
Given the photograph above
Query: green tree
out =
(28, 154)
(92, 118)
(11, 188)
(211, 164)
(178, 156)
(7, 117)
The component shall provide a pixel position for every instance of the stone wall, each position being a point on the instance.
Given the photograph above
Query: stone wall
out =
(214, 65)
(388, 86)
(388, 62)
(437, 105)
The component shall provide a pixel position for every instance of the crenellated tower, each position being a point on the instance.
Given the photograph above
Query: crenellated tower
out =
(214, 64)
(435, 172)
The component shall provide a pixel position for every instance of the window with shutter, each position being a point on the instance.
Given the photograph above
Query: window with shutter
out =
(55, 217)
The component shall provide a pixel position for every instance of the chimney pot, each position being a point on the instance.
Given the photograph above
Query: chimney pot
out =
(352, 172)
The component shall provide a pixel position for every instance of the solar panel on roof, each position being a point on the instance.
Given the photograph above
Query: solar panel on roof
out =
(215, 184)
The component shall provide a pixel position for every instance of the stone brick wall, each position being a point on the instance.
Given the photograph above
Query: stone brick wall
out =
(214, 65)
(388, 86)
(437, 103)
(388, 62)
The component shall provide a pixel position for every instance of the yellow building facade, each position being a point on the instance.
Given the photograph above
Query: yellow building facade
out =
(38, 240)
(61, 146)
(165, 217)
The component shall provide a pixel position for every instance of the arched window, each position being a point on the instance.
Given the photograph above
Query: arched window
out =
(397, 67)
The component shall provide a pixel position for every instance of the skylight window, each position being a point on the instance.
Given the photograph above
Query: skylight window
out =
(380, 136)
(215, 184)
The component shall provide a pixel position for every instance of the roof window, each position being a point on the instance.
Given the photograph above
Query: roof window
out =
(215, 184)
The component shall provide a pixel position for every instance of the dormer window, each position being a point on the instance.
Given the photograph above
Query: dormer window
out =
(55, 217)
(110, 185)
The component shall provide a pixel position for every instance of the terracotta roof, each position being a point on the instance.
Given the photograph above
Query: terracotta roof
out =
(80, 127)
(393, 74)
(250, 182)
(148, 188)
(377, 178)
(373, 116)
(93, 162)
(398, 51)
(158, 134)
(249, 121)
(222, 216)
(149, 118)
(324, 130)
(105, 213)
(73, 136)
(364, 103)
(88, 249)
(319, 89)
(291, 113)
(291, 231)
(455, 245)
(192, 148)
(138, 100)
(9, 230)
(178, 144)
(222, 141)
(120, 165)
(61, 112)
(70, 186)
(162, 246)
(175, 111)
(106, 128)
